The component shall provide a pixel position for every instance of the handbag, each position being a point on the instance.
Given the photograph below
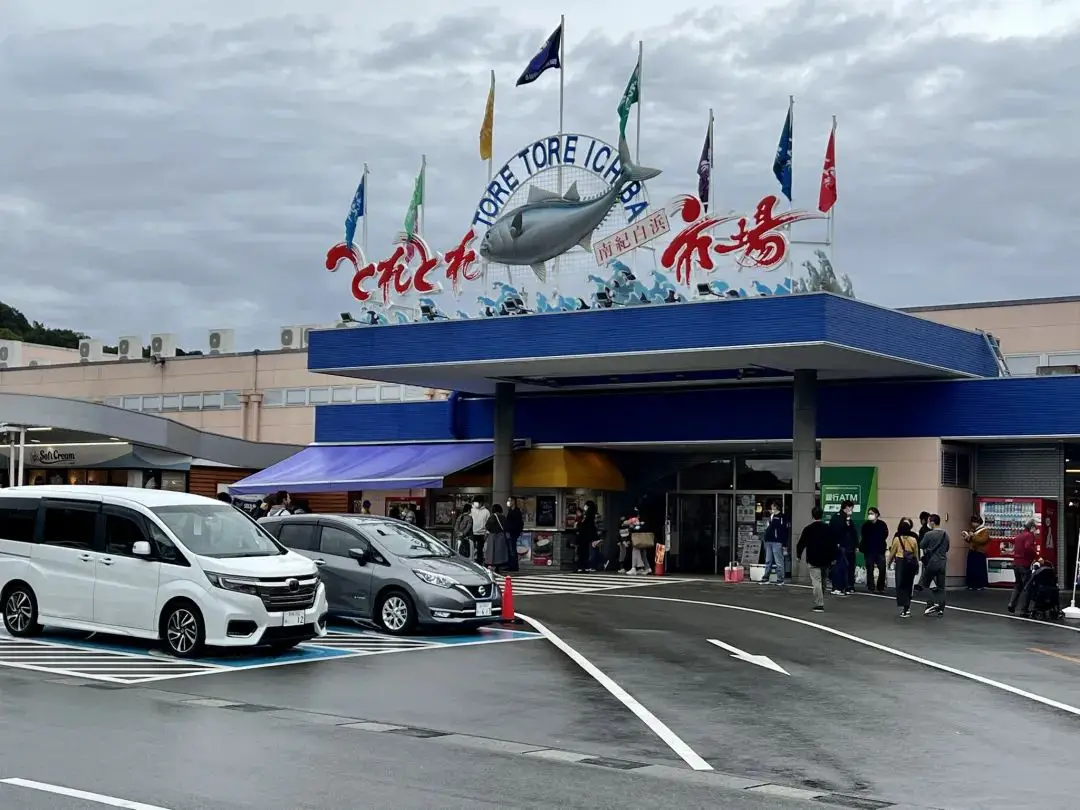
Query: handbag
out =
(643, 540)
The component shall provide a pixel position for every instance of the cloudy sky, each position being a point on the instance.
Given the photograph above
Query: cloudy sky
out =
(177, 169)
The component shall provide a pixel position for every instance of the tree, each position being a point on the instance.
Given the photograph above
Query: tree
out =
(15, 326)
(823, 278)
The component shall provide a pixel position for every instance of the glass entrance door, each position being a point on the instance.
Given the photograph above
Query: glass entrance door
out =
(702, 523)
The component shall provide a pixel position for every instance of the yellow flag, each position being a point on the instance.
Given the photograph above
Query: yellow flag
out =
(489, 121)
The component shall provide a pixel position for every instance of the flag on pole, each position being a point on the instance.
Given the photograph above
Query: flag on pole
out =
(631, 95)
(489, 122)
(356, 211)
(411, 218)
(704, 167)
(827, 195)
(547, 57)
(782, 162)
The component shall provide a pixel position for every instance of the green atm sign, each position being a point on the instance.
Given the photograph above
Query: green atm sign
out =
(855, 484)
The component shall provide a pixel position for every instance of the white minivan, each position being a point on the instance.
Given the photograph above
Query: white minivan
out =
(191, 571)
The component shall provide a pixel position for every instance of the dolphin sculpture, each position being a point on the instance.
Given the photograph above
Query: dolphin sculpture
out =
(548, 225)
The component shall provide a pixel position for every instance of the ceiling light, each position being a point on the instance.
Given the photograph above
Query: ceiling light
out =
(37, 429)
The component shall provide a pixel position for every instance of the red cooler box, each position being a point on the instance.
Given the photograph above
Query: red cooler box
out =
(1005, 518)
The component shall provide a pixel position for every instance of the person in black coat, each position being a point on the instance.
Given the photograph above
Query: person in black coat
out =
(587, 534)
(847, 541)
(515, 525)
(819, 545)
(874, 546)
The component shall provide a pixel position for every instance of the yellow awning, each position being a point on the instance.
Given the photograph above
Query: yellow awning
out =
(550, 468)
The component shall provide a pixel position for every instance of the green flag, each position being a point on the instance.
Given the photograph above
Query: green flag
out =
(417, 201)
(630, 97)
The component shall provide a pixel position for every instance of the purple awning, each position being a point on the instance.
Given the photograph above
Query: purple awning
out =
(337, 468)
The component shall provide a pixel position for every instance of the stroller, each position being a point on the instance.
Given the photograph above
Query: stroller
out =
(1044, 596)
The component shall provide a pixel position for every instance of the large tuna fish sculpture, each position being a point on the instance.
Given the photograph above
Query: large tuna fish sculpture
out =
(548, 225)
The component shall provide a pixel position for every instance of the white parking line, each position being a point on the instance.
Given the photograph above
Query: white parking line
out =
(98, 798)
(655, 724)
(1054, 704)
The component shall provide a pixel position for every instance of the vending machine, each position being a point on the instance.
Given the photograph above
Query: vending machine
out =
(1005, 518)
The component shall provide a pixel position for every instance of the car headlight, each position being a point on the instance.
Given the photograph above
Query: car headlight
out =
(438, 580)
(228, 582)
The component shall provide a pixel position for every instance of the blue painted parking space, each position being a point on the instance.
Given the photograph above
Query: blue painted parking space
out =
(132, 661)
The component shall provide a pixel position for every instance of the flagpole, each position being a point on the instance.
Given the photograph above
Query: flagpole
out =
(791, 201)
(364, 218)
(640, 73)
(423, 196)
(710, 203)
(562, 97)
(831, 234)
(491, 154)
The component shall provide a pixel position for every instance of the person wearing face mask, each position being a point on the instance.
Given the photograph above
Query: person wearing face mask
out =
(874, 545)
(847, 541)
(775, 540)
(515, 525)
(480, 517)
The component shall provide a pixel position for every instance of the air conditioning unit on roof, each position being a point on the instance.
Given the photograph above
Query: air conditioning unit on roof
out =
(10, 353)
(163, 345)
(296, 337)
(129, 347)
(222, 341)
(90, 351)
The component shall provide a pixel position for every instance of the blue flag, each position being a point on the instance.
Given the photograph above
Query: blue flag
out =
(356, 210)
(548, 57)
(781, 166)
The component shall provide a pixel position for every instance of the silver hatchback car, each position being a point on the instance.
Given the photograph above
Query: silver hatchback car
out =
(390, 572)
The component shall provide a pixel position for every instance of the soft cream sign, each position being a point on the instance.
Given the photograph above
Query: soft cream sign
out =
(51, 457)
(70, 455)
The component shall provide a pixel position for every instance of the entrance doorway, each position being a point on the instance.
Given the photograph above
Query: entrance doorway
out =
(710, 529)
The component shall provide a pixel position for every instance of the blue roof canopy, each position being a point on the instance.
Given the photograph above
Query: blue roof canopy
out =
(343, 468)
(841, 338)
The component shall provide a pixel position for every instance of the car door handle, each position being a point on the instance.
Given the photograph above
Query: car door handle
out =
(106, 560)
(86, 558)
(319, 562)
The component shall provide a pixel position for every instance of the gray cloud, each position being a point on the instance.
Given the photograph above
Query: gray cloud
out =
(193, 172)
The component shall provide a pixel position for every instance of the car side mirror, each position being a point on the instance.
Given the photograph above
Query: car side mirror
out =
(141, 548)
(359, 554)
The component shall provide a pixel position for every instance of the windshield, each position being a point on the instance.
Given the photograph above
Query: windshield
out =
(217, 530)
(403, 540)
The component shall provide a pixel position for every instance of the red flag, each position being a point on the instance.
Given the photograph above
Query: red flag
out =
(827, 196)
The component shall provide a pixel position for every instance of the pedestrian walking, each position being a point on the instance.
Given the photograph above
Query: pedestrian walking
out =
(515, 526)
(924, 518)
(978, 577)
(461, 534)
(847, 541)
(641, 541)
(495, 556)
(1025, 552)
(816, 542)
(775, 539)
(280, 505)
(934, 548)
(480, 517)
(874, 544)
(904, 559)
(586, 536)
(624, 563)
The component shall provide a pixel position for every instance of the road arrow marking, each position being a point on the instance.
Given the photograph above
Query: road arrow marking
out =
(742, 655)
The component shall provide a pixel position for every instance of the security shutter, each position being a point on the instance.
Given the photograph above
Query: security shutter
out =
(1016, 472)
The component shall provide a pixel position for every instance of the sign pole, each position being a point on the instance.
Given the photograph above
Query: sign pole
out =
(1072, 611)
(364, 218)
(22, 456)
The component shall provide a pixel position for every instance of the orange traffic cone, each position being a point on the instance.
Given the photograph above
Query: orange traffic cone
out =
(508, 615)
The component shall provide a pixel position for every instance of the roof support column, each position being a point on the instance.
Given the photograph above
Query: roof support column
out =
(502, 472)
(804, 453)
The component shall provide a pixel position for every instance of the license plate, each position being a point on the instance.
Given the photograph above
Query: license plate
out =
(483, 608)
(293, 618)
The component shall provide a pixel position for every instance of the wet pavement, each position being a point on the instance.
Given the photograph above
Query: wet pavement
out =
(846, 717)
(508, 719)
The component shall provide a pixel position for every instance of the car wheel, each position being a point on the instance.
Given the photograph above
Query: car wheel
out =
(21, 612)
(183, 631)
(396, 613)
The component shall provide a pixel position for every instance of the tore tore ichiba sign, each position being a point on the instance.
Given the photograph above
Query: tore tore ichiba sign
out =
(567, 224)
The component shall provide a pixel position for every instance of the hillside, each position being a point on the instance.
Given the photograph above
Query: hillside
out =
(16, 326)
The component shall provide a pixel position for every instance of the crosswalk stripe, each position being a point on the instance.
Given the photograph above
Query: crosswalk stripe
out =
(548, 584)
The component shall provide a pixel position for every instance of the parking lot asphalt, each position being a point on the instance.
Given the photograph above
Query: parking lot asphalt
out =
(843, 715)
